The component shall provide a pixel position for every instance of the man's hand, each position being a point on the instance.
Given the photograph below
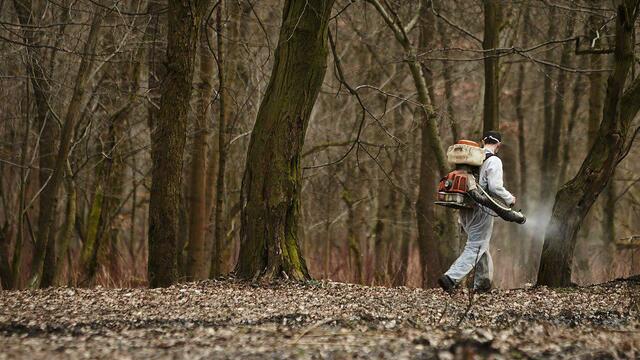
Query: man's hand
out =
(513, 203)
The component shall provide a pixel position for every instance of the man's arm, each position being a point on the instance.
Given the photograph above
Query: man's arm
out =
(495, 182)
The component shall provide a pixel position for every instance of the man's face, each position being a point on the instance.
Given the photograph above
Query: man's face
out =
(498, 145)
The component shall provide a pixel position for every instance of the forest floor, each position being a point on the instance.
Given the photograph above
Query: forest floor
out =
(227, 319)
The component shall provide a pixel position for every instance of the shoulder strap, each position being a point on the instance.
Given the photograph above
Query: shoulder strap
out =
(488, 155)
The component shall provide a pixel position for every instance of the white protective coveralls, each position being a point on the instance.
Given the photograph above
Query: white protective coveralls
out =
(478, 224)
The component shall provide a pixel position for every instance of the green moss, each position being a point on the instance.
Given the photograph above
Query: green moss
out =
(92, 227)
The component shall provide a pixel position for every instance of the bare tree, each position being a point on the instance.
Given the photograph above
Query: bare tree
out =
(271, 184)
(168, 140)
(575, 198)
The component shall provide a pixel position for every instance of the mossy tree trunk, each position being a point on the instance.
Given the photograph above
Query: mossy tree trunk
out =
(272, 178)
(575, 198)
(168, 140)
(437, 228)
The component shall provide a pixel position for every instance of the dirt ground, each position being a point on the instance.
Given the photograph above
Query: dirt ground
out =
(227, 319)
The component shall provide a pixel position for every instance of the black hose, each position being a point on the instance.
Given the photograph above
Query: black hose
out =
(481, 197)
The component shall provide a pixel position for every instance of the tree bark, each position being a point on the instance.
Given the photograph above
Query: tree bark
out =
(576, 197)
(197, 266)
(491, 113)
(219, 223)
(595, 83)
(437, 233)
(272, 179)
(168, 140)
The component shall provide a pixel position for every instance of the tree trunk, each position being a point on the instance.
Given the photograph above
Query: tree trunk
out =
(197, 266)
(381, 232)
(16, 262)
(47, 140)
(168, 140)
(547, 144)
(448, 85)
(595, 82)
(490, 42)
(39, 278)
(437, 235)
(609, 226)
(272, 179)
(218, 225)
(522, 151)
(405, 244)
(576, 197)
(567, 148)
(353, 233)
(552, 155)
(65, 235)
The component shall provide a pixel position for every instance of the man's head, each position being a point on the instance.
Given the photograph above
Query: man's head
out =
(492, 140)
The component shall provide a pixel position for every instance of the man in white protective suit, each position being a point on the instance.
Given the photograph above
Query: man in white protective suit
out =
(478, 224)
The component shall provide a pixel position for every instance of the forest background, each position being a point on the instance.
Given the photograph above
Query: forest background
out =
(86, 86)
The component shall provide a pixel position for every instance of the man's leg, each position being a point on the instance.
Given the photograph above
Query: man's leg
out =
(478, 225)
(484, 273)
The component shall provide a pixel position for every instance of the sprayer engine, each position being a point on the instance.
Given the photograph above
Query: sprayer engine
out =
(452, 190)
(459, 189)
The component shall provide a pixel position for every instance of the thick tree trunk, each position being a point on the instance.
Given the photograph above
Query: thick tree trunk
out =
(168, 140)
(576, 197)
(272, 179)
(491, 39)
(197, 266)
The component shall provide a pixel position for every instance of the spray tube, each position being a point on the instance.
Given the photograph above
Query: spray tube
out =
(481, 197)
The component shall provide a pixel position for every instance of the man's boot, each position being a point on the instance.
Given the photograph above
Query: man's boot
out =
(447, 284)
(482, 286)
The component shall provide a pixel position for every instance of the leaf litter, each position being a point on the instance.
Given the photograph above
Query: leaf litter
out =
(231, 319)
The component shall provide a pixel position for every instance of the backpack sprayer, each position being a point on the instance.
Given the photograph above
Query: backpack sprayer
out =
(460, 190)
